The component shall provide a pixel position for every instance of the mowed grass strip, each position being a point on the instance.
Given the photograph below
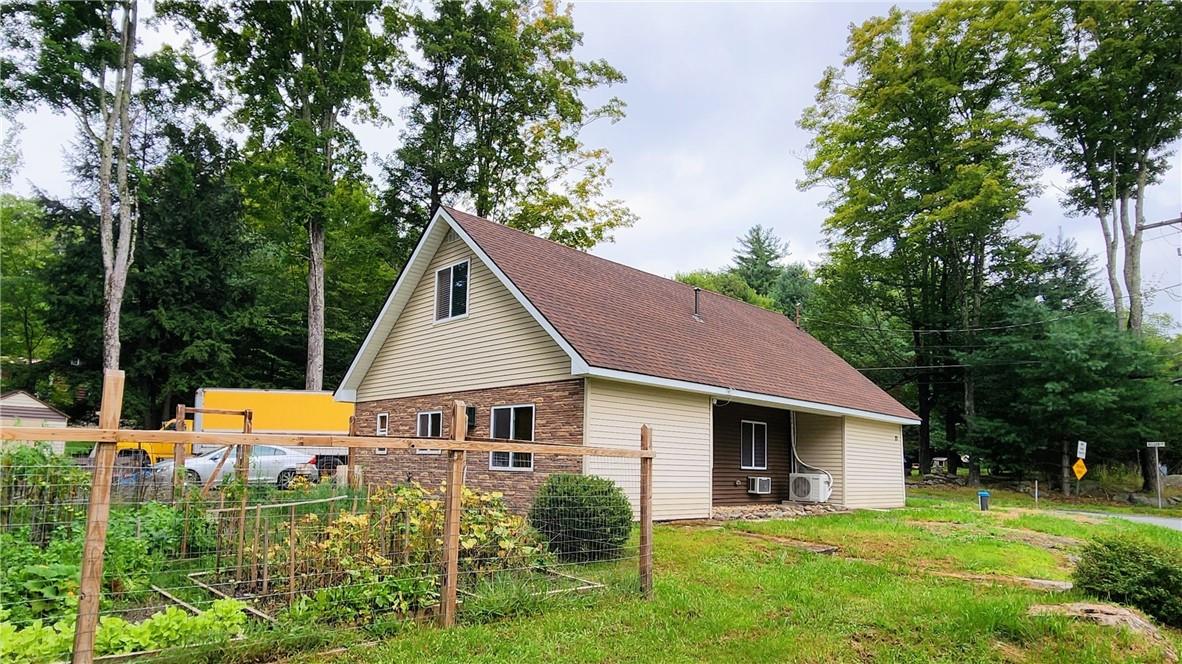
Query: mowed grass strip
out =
(723, 596)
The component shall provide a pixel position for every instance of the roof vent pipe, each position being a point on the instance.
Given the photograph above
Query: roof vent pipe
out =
(697, 302)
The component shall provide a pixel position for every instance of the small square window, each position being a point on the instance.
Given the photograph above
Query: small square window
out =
(383, 424)
(429, 425)
(513, 422)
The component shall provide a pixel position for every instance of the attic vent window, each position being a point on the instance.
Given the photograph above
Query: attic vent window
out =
(451, 292)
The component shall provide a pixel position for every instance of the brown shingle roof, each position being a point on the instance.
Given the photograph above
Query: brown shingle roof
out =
(617, 317)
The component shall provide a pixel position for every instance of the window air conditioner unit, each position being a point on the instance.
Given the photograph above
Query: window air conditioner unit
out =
(761, 486)
(809, 487)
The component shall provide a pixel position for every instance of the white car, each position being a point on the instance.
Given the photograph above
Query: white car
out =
(269, 464)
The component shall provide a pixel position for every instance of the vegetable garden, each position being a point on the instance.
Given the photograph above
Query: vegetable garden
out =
(243, 564)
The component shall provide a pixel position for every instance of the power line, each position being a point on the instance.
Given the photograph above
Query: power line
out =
(950, 366)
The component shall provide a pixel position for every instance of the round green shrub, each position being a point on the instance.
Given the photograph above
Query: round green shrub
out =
(1135, 572)
(583, 517)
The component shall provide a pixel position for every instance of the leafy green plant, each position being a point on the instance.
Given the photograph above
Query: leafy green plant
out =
(40, 642)
(1134, 571)
(583, 517)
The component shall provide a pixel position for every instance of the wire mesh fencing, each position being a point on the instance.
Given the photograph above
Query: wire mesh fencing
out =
(191, 559)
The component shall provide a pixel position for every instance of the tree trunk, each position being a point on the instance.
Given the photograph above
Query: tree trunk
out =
(925, 425)
(1065, 464)
(1133, 239)
(1148, 470)
(117, 251)
(314, 376)
(1110, 245)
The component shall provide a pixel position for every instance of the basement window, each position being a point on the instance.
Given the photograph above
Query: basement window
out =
(512, 423)
(753, 445)
(451, 292)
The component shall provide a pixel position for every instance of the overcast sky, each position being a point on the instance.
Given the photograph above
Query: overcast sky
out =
(710, 144)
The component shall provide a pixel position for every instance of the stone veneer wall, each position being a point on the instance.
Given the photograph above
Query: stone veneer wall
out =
(558, 418)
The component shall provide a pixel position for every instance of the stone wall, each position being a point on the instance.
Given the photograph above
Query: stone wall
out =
(558, 418)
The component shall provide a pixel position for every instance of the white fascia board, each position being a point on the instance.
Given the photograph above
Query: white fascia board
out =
(577, 364)
(347, 391)
(743, 396)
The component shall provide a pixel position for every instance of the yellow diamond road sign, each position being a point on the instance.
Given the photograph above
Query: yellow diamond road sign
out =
(1080, 469)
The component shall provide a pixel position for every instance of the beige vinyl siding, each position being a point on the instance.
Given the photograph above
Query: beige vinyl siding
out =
(819, 445)
(498, 343)
(873, 464)
(681, 442)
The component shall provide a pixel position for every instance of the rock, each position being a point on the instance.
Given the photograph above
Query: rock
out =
(1172, 481)
(762, 511)
(1112, 616)
(1141, 499)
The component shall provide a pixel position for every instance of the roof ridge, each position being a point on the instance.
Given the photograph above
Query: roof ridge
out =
(756, 307)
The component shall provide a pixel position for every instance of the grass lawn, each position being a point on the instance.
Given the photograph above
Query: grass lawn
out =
(724, 595)
(1048, 500)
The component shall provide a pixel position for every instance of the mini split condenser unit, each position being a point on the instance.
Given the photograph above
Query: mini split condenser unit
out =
(760, 486)
(810, 487)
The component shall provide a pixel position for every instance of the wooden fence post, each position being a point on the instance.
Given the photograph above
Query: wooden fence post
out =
(451, 524)
(98, 510)
(350, 469)
(244, 476)
(646, 513)
(178, 457)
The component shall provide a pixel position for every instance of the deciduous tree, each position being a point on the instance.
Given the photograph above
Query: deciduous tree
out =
(298, 70)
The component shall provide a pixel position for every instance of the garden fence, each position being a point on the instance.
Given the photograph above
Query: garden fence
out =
(118, 556)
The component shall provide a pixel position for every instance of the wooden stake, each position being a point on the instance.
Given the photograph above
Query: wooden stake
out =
(451, 523)
(291, 553)
(266, 559)
(254, 557)
(98, 511)
(178, 457)
(646, 513)
(244, 476)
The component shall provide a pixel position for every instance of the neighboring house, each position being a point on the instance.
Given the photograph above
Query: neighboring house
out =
(548, 343)
(21, 409)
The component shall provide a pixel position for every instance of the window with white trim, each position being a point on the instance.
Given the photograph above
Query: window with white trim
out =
(383, 424)
(753, 445)
(451, 291)
(512, 423)
(429, 424)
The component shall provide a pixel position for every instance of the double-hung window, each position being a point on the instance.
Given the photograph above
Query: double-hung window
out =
(512, 423)
(451, 292)
(429, 425)
(753, 445)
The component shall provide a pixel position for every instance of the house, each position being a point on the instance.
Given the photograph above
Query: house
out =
(548, 343)
(21, 409)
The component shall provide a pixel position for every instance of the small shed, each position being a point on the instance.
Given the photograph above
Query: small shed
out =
(21, 409)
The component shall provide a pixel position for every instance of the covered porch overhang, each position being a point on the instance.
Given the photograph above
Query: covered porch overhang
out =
(757, 448)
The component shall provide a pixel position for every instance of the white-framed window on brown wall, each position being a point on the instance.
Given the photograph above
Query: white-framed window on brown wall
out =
(514, 422)
(752, 445)
(382, 427)
(429, 424)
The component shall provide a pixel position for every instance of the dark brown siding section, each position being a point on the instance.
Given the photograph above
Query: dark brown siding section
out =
(558, 413)
(730, 481)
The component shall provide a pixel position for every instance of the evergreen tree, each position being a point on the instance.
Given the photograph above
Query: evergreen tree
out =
(757, 258)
